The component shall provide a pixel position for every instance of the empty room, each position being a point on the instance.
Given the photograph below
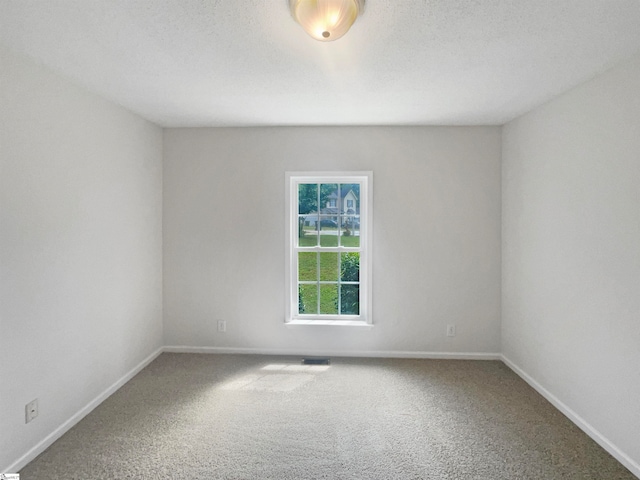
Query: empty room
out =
(320, 239)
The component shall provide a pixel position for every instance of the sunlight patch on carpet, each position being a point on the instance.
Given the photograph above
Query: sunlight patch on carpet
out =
(276, 377)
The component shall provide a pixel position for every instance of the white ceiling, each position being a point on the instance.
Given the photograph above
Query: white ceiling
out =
(246, 62)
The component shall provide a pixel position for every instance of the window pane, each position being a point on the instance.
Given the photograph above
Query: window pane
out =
(329, 199)
(307, 198)
(350, 267)
(329, 267)
(329, 299)
(350, 299)
(328, 231)
(308, 299)
(307, 266)
(307, 230)
(350, 231)
(350, 193)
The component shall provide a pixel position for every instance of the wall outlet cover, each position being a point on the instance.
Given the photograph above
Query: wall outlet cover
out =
(30, 411)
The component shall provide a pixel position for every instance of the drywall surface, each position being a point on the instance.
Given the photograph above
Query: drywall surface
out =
(436, 236)
(80, 248)
(571, 251)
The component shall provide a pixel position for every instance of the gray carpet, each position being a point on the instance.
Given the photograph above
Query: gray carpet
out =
(189, 416)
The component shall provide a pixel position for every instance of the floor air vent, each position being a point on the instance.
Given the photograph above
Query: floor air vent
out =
(316, 361)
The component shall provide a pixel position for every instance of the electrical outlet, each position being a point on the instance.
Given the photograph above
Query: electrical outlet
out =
(451, 330)
(30, 411)
(222, 325)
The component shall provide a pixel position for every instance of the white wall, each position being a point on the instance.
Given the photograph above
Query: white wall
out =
(571, 252)
(436, 236)
(80, 248)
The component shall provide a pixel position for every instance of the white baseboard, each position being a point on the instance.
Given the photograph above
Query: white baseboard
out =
(66, 426)
(600, 439)
(341, 353)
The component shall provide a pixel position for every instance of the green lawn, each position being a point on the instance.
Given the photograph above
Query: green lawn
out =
(311, 240)
(308, 271)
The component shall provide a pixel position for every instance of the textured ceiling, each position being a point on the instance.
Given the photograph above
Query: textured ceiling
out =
(246, 62)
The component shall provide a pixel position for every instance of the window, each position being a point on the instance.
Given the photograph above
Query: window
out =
(328, 256)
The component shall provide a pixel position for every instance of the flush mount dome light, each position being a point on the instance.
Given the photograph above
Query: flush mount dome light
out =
(326, 20)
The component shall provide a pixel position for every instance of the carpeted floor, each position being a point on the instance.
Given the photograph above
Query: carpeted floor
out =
(189, 416)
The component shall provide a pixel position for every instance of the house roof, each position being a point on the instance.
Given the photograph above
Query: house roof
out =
(187, 63)
(343, 193)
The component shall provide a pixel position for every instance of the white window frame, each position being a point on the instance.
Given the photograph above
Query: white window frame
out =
(292, 180)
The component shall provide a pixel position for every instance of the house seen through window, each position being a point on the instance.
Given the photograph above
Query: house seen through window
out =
(329, 245)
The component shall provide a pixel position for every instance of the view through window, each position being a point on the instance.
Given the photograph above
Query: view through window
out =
(329, 247)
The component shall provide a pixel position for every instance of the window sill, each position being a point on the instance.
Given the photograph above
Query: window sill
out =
(328, 323)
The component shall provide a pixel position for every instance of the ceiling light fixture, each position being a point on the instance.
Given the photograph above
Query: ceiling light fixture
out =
(326, 20)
